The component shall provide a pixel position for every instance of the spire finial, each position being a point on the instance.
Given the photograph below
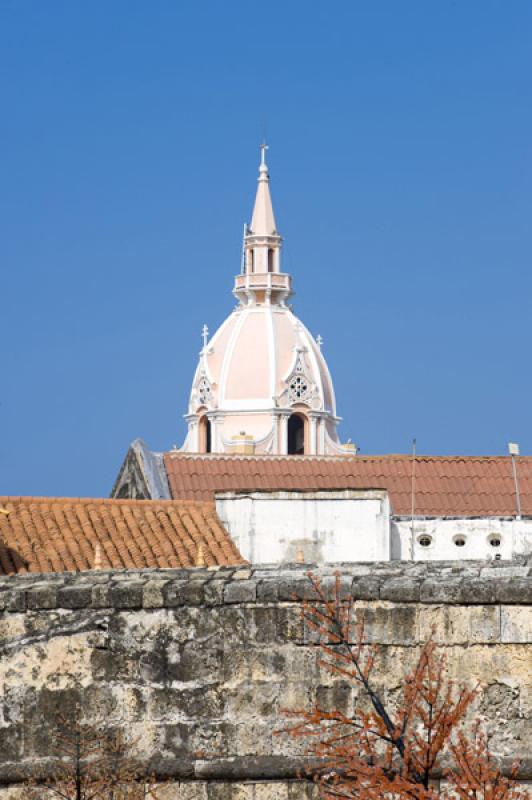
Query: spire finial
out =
(263, 148)
(205, 335)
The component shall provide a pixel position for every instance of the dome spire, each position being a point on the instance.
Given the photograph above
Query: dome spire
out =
(261, 280)
(263, 220)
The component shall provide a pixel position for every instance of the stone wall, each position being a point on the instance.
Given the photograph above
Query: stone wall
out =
(196, 666)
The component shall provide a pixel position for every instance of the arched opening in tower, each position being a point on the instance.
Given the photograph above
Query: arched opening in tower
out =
(270, 260)
(205, 444)
(296, 435)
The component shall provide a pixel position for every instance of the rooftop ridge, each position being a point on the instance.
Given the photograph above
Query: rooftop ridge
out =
(105, 500)
(338, 458)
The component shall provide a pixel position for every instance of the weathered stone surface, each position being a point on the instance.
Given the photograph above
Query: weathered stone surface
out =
(78, 595)
(153, 594)
(198, 665)
(441, 590)
(401, 590)
(127, 594)
(42, 596)
(514, 590)
(516, 625)
(243, 591)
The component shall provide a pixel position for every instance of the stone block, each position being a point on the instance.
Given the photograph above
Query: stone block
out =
(174, 593)
(437, 590)
(4, 599)
(180, 593)
(235, 625)
(274, 790)
(78, 595)
(213, 592)
(265, 619)
(242, 591)
(478, 590)
(101, 596)
(389, 623)
(42, 596)
(197, 662)
(366, 588)
(296, 589)
(516, 625)
(268, 664)
(200, 704)
(217, 790)
(484, 623)
(184, 790)
(235, 666)
(290, 625)
(194, 593)
(11, 743)
(259, 700)
(447, 624)
(127, 594)
(337, 696)
(515, 591)
(303, 790)
(242, 574)
(153, 594)
(331, 584)
(268, 591)
(401, 590)
(252, 739)
(17, 600)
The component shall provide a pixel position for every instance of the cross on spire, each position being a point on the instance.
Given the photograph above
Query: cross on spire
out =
(205, 334)
(263, 149)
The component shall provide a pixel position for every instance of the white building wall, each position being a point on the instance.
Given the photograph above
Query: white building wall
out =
(440, 538)
(319, 527)
(356, 525)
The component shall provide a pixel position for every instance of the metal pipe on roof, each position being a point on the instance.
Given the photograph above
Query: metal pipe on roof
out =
(513, 449)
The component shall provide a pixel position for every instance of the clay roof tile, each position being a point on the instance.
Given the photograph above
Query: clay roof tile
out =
(62, 534)
(444, 485)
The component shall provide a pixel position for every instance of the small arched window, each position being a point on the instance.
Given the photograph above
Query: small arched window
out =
(271, 257)
(251, 261)
(296, 435)
(205, 444)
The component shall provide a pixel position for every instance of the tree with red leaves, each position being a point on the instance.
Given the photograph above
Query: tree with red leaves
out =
(384, 750)
(91, 764)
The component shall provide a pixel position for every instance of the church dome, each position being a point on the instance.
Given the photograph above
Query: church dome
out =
(262, 384)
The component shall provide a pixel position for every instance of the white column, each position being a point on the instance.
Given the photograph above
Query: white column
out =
(275, 446)
(214, 434)
(194, 436)
(313, 435)
(283, 444)
(321, 437)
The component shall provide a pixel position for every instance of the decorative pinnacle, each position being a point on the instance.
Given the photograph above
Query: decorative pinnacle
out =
(205, 334)
(319, 341)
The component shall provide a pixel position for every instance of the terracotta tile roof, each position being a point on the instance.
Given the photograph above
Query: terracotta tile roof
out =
(450, 486)
(47, 534)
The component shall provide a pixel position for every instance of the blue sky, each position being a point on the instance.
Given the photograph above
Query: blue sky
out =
(401, 162)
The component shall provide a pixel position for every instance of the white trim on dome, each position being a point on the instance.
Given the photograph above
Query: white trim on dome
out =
(318, 357)
(273, 355)
(211, 345)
